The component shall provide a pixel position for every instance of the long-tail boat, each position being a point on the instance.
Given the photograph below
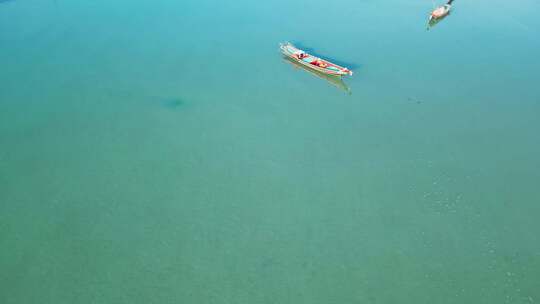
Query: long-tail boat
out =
(312, 62)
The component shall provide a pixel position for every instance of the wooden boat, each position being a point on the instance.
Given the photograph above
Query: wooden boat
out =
(441, 11)
(312, 62)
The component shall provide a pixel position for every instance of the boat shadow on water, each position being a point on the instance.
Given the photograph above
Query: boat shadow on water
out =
(336, 81)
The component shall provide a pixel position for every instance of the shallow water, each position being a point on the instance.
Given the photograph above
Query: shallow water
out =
(164, 152)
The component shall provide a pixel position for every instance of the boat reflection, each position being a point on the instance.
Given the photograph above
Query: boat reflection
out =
(333, 80)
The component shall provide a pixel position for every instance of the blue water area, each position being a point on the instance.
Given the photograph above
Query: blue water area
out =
(165, 152)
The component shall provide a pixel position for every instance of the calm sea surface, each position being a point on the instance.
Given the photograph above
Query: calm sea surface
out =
(164, 152)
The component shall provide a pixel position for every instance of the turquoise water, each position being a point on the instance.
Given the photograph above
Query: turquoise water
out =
(163, 152)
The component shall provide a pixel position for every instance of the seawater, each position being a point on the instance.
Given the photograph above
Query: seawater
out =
(164, 152)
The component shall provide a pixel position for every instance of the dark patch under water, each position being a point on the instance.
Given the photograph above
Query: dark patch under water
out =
(173, 103)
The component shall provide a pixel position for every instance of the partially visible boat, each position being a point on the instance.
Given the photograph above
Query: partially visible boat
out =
(312, 62)
(441, 11)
